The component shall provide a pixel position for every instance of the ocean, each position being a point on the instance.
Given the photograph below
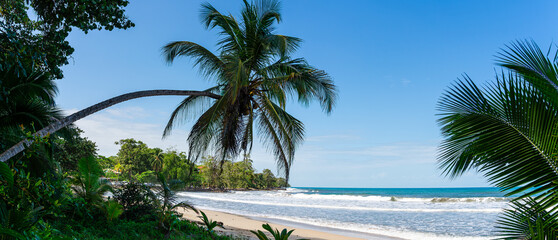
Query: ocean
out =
(409, 213)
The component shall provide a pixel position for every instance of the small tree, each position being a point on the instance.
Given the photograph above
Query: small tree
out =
(88, 183)
(134, 156)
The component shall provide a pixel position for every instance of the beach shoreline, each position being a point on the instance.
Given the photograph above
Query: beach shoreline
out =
(239, 225)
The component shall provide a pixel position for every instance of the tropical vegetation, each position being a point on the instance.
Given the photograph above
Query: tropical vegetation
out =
(507, 130)
(34, 48)
(137, 162)
(254, 74)
(275, 233)
(54, 185)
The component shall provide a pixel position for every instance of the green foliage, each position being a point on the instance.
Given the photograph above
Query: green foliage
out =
(134, 157)
(33, 52)
(88, 183)
(26, 102)
(127, 229)
(238, 174)
(282, 183)
(146, 177)
(77, 208)
(137, 200)
(25, 200)
(6, 233)
(113, 210)
(107, 162)
(17, 221)
(36, 158)
(266, 180)
(72, 147)
(177, 166)
(528, 220)
(41, 44)
(210, 172)
(6, 174)
(255, 75)
(44, 207)
(209, 224)
(42, 230)
(166, 202)
(157, 163)
(283, 235)
(509, 132)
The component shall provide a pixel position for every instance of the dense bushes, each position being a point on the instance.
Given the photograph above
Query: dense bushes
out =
(137, 200)
(59, 206)
(127, 229)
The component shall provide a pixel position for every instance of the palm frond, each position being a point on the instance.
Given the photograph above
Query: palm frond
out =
(284, 45)
(527, 59)
(32, 110)
(527, 219)
(506, 131)
(281, 132)
(18, 87)
(301, 80)
(210, 65)
(204, 131)
(188, 109)
(230, 30)
(88, 183)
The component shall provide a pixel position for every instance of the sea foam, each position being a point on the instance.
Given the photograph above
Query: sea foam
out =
(426, 216)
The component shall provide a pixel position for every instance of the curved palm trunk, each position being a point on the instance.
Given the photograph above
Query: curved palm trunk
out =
(95, 108)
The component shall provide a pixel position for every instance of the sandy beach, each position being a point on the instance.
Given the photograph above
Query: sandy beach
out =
(238, 225)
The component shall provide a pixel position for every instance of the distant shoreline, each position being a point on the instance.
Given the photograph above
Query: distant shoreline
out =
(190, 189)
(200, 189)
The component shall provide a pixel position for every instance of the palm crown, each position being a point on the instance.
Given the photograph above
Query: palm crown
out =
(255, 75)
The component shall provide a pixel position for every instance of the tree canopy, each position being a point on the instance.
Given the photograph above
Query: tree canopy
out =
(40, 44)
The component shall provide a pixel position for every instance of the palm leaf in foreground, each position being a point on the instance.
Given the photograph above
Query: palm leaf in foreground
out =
(527, 59)
(528, 220)
(509, 132)
(275, 233)
(506, 131)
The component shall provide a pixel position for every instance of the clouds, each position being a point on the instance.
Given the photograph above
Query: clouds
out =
(342, 160)
(359, 150)
(111, 125)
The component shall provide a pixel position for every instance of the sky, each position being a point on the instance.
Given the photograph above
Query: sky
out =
(391, 62)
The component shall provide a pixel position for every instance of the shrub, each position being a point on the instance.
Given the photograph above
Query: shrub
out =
(146, 177)
(283, 235)
(113, 210)
(137, 200)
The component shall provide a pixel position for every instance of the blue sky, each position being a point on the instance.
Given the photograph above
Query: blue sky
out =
(391, 61)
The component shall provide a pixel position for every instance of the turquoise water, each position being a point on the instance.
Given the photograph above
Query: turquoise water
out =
(410, 192)
(409, 213)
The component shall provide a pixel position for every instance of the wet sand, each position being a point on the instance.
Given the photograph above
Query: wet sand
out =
(238, 225)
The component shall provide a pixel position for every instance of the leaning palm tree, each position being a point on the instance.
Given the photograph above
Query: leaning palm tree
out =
(508, 131)
(254, 75)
